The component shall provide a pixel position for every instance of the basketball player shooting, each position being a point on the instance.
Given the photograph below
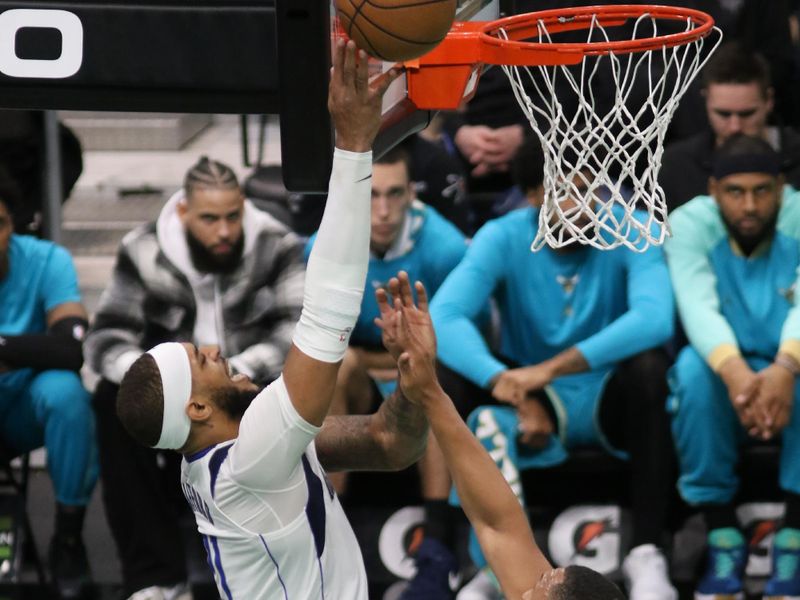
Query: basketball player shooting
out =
(271, 524)
(494, 511)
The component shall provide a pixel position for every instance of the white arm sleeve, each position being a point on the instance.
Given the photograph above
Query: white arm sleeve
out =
(272, 438)
(337, 267)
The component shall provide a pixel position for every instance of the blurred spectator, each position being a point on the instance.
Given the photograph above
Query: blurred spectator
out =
(739, 98)
(213, 270)
(42, 400)
(406, 235)
(438, 173)
(23, 154)
(734, 257)
(578, 364)
(486, 133)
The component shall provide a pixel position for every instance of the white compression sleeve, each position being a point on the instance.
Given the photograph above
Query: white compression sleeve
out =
(337, 267)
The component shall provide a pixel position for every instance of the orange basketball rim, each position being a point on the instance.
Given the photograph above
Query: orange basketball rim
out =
(448, 75)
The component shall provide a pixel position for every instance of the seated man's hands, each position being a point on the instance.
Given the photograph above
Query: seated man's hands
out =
(489, 150)
(535, 424)
(773, 402)
(742, 383)
(512, 386)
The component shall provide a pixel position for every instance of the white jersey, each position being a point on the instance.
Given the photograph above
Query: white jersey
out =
(271, 523)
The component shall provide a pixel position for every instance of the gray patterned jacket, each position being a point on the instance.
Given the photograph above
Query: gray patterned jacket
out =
(155, 296)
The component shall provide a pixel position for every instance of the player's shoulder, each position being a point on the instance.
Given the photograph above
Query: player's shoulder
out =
(519, 218)
(789, 215)
(32, 250)
(144, 234)
(700, 211)
(696, 224)
(434, 225)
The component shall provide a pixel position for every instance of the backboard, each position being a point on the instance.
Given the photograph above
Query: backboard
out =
(211, 56)
(400, 118)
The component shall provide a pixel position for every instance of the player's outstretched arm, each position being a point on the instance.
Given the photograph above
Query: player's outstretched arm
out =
(499, 521)
(337, 266)
(391, 439)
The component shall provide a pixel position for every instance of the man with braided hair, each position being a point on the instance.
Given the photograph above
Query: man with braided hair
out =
(271, 524)
(212, 270)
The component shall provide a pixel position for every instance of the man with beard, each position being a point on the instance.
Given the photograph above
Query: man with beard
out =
(270, 522)
(578, 362)
(212, 270)
(734, 258)
(42, 399)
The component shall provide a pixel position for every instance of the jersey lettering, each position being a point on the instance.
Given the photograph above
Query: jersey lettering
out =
(196, 502)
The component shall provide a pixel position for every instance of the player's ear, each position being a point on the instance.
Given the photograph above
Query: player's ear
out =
(712, 187)
(182, 208)
(199, 409)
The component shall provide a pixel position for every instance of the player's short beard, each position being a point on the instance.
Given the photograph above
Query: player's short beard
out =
(748, 243)
(3, 265)
(206, 261)
(234, 401)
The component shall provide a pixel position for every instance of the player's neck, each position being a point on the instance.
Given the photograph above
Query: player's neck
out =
(210, 434)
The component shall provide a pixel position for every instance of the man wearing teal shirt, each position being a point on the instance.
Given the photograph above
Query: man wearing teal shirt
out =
(42, 400)
(734, 258)
(406, 235)
(576, 362)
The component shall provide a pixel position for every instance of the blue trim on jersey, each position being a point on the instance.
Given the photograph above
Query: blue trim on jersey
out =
(199, 454)
(315, 507)
(214, 464)
(208, 552)
(218, 562)
(277, 568)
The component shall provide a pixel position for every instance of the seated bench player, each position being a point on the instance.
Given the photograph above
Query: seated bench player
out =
(734, 257)
(579, 364)
(42, 399)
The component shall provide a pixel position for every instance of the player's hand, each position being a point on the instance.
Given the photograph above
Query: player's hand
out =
(415, 335)
(389, 319)
(512, 386)
(353, 100)
(773, 404)
(743, 384)
(535, 424)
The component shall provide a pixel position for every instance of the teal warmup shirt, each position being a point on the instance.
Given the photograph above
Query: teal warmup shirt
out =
(41, 276)
(428, 248)
(729, 303)
(610, 304)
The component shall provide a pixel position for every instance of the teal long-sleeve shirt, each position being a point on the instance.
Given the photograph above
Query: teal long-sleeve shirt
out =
(732, 304)
(427, 248)
(610, 304)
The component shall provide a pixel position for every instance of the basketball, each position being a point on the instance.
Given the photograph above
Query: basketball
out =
(396, 30)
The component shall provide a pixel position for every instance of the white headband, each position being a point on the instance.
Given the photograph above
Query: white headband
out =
(176, 380)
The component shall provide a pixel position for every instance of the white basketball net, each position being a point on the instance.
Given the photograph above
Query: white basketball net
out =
(592, 185)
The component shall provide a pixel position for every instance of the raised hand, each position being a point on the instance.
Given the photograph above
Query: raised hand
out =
(407, 329)
(353, 100)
